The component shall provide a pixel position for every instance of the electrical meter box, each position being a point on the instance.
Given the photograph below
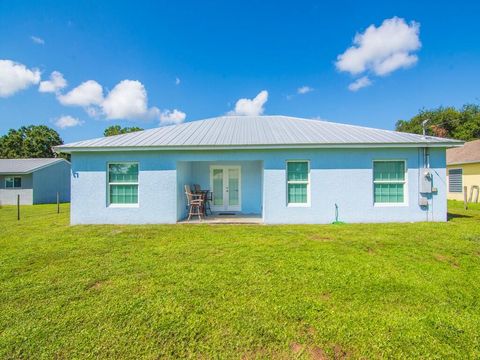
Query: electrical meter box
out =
(426, 178)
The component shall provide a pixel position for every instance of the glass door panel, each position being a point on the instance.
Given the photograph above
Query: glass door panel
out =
(217, 187)
(233, 187)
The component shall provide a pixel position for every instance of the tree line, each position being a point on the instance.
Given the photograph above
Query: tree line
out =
(447, 122)
(37, 141)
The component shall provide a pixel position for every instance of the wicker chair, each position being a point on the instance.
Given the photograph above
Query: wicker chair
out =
(194, 203)
(207, 198)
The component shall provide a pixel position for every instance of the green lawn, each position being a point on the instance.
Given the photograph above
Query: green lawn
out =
(199, 291)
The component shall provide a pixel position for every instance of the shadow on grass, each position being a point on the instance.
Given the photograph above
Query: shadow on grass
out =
(451, 216)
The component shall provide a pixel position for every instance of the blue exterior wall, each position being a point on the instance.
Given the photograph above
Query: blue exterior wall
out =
(157, 190)
(184, 177)
(50, 180)
(337, 176)
(345, 177)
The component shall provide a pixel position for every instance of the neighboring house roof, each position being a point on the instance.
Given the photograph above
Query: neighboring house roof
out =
(25, 166)
(239, 132)
(469, 153)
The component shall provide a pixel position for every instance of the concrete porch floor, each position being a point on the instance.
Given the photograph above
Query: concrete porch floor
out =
(225, 219)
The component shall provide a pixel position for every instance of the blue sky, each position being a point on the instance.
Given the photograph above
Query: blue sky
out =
(221, 52)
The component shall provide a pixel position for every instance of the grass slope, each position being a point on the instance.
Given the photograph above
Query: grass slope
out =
(199, 291)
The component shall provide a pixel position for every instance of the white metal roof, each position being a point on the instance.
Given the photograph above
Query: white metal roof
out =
(25, 166)
(255, 132)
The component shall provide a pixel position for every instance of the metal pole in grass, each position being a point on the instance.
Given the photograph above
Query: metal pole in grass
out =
(465, 204)
(18, 207)
(58, 203)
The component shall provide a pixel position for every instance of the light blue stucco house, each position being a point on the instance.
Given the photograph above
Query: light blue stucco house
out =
(37, 181)
(279, 169)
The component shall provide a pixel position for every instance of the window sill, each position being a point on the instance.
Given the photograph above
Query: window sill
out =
(380, 205)
(298, 205)
(123, 206)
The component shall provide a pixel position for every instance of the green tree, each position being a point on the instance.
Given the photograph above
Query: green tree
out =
(462, 124)
(118, 130)
(34, 141)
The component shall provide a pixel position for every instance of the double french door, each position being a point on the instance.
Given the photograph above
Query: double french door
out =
(225, 182)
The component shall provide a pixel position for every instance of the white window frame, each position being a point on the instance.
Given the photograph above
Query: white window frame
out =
(461, 179)
(133, 205)
(308, 203)
(13, 187)
(404, 182)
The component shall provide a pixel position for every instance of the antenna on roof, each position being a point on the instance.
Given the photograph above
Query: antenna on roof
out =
(424, 122)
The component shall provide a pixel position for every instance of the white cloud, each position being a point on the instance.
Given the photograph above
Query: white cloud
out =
(359, 83)
(54, 85)
(251, 107)
(304, 90)
(67, 121)
(382, 50)
(86, 94)
(177, 81)
(37, 40)
(15, 77)
(128, 100)
(172, 117)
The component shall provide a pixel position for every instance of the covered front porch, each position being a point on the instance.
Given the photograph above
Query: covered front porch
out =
(236, 189)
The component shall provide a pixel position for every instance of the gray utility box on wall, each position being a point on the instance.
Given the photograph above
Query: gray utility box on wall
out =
(426, 181)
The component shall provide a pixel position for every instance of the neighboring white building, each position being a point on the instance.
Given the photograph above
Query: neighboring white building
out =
(37, 181)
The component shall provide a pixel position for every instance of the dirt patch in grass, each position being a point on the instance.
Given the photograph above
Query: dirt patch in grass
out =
(318, 237)
(262, 353)
(441, 258)
(97, 285)
(339, 352)
(311, 330)
(317, 353)
(313, 352)
(326, 296)
(116, 232)
(296, 347)
(447, 259)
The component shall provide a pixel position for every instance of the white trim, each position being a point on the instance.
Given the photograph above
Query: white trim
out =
(226, 206)
(120, 206)
(132, 205)
(380, 205)
(14, 187)
(308, 203)
(404, 182)
(69, 149)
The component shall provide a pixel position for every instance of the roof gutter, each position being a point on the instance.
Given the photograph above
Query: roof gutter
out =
(68, 149)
